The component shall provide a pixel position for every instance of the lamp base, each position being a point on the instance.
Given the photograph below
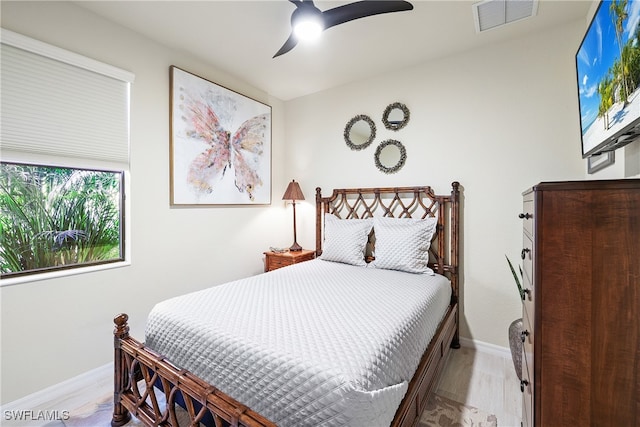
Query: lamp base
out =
(295, 247)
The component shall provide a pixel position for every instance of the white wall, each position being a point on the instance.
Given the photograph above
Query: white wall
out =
(53, 330)
(499, 120)
(626, 164)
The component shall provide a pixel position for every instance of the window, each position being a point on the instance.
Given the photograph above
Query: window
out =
(65, 161)
(55, 218)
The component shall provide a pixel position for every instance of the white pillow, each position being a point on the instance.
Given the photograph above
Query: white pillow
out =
(345, 239)
(403, 243)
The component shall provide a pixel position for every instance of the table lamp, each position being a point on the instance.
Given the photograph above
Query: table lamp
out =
(294, 193)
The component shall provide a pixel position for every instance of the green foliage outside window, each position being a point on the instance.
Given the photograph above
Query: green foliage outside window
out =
(55, 217)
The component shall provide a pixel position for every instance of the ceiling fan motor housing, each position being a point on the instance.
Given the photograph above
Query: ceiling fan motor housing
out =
(306, 21)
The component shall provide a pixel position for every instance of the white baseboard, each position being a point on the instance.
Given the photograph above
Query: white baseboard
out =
(65, 396)
(485, 347)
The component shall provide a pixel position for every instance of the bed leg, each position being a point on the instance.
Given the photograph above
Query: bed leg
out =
(455, 342)
(121, 415)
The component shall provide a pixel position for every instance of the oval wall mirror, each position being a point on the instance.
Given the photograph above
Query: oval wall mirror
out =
(390, 156)
(395, 116)
(359, 132)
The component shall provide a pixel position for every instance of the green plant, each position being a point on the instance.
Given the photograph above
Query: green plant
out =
(53, 217)
(515, 277)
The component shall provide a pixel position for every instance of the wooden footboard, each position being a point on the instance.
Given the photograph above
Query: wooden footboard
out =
(138, 369)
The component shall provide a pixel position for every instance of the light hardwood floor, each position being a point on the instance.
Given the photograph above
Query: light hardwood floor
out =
(484, 380)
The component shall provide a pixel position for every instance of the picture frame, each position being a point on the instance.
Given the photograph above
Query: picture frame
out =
(600, 161)
(220, 144)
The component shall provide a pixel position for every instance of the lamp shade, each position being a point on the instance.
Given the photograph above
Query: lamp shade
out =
(293, 192)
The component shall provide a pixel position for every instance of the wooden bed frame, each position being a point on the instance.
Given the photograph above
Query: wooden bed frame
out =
(137, 368)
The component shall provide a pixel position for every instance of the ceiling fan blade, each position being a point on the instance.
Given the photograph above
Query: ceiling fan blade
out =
(362, 9)
(342, 14)
(287, 46)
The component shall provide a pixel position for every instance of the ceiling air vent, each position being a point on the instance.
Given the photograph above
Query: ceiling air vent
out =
(494, 13)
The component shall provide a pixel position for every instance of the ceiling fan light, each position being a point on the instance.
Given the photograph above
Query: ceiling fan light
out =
(308, 29)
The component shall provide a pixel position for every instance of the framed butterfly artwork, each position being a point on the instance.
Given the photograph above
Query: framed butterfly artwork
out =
(220, 150)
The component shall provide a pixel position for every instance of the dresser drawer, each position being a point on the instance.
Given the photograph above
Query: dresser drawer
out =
(527, 395)
(526, 256)
(528, 312)
(527, 214)
(527, 372)
(527, 347)
(528, 302)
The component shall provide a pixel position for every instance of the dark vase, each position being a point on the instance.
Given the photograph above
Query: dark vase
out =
(515, 343)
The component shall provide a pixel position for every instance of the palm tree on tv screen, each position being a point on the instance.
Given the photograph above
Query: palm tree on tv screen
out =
(618, 9)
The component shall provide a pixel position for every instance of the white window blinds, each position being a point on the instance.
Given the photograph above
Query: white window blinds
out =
(58, 103)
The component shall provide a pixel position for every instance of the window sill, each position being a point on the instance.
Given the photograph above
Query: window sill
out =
(62, 273)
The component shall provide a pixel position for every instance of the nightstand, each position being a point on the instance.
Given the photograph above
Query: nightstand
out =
(275, 260)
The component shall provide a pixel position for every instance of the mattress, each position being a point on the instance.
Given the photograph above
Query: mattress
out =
(317, 343)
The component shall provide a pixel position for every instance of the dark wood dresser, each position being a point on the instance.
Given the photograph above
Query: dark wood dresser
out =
(581, 311)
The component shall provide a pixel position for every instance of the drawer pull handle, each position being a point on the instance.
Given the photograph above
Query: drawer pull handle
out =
(523, 384)
(524, 253)
(524, 335)
(525, 216)
(526, 293)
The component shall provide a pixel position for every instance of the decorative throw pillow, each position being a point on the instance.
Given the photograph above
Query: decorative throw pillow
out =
(403, 243)
(345, 239)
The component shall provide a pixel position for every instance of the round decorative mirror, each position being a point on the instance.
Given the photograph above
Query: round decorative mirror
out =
(390, 156)
(395, 116)
(359, 132)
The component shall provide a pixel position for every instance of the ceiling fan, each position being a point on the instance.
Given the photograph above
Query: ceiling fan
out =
(308, 19)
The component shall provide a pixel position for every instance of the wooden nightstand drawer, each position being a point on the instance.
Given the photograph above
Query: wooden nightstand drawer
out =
(274, 260)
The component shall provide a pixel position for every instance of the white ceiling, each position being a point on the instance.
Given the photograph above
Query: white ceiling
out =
(240, 37)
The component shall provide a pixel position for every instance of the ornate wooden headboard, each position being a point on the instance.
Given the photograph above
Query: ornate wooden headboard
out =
(402, 202)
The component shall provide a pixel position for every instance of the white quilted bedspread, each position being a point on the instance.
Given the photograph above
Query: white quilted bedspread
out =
(314, 344)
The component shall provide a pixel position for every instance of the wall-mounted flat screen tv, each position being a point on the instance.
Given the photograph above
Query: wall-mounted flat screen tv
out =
(608, 76)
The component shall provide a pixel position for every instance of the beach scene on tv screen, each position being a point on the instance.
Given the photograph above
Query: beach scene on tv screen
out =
(608, 67)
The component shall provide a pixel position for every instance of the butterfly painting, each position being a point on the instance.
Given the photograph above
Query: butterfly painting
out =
(221, 144)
